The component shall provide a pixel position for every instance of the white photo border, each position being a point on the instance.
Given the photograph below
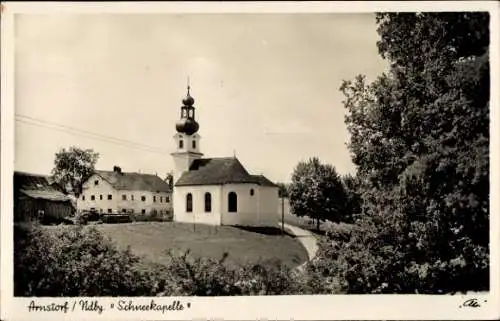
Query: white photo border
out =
(312, 307)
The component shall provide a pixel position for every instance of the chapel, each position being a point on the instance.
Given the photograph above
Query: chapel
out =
(216, 191)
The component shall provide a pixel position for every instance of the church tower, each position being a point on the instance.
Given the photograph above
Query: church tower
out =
(187, 140)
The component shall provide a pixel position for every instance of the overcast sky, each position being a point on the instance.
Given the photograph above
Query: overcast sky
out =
(266, 87)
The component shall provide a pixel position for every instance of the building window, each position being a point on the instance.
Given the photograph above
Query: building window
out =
(143, 211)
(100, 210)
(232, 202)
(143, 198)
(83, 197)
(124, 197)
(252, 192)
(181, 144)
(124, 210)
(110, 197)
(132, 197)
(96, 182)
(208, 202)
(92, 197)
(161, 199)
(100, 197)
(194, 144)
(189, 202)
(110, 211)
(167, 199)
(154, 198)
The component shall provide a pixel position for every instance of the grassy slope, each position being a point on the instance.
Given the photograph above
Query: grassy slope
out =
(153, 239)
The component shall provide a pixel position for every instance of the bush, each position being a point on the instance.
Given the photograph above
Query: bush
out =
(79, 261)
(76, 261)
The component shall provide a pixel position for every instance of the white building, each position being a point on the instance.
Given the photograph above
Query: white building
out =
(217, 191)
(116, 192)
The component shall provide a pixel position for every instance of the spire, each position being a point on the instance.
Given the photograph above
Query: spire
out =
(188, 86)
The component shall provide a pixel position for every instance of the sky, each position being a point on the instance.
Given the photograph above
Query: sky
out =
(266, 87)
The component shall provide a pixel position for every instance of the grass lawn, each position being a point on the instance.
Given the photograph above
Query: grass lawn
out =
(153, 239)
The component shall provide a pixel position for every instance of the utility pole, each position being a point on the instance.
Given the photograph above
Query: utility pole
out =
(282, 215)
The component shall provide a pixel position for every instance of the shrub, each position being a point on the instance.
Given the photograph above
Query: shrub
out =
(76, 261)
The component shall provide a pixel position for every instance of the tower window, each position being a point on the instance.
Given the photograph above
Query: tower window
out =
(232, 202)
(110, 211)
(96, 182)
(208, 202)
(143, 198)
(252, 192)
(132, 197)
(124, 197)
(100, 197)
(189, 202)
(194, 144)
(92, 197)
(154, 198)
(110, 197)
(181, 144)
(161, 199)
(83, 197)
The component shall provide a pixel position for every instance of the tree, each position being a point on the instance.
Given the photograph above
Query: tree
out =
(353, 196)
(282, 190)
(170, 180)
(73, 166)
(420, 142)
(316, 191)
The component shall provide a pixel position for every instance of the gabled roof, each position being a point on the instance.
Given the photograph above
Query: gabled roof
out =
(134, 181)
(39, 187)
(217, 171)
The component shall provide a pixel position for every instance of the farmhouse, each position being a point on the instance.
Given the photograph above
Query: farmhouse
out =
(116, 192)
(217, 191)
(37, 196)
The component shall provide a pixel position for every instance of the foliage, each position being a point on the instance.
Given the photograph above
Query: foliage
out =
(282, 189)
(419, 139)
(73, 166)
(170, 180)
(76, 261)
(316, 191)
(79, 261)
(353, 196)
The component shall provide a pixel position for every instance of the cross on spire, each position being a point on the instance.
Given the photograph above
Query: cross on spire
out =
(188, 86)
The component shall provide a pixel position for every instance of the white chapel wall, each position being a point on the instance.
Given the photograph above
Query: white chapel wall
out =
(198, 215)
(248, 205)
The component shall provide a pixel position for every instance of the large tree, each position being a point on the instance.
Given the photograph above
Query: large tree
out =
(419, 139)
(73, 166)
(316, 191)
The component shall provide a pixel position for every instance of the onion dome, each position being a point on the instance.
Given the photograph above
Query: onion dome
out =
(188, 101)
(190, 126)
(179, 126)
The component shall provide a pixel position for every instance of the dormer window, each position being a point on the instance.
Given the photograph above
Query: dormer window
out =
(194, 144)
(181, 144)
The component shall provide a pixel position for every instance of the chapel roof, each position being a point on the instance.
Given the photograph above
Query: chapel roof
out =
(134, 181)
(217, 171)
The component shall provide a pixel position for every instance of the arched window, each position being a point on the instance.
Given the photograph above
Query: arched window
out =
(189, 202)
(194, 144)
(232, 202)
(181, 144)
(208, 202)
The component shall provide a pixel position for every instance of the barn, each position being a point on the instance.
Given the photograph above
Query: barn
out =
(37, 197)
